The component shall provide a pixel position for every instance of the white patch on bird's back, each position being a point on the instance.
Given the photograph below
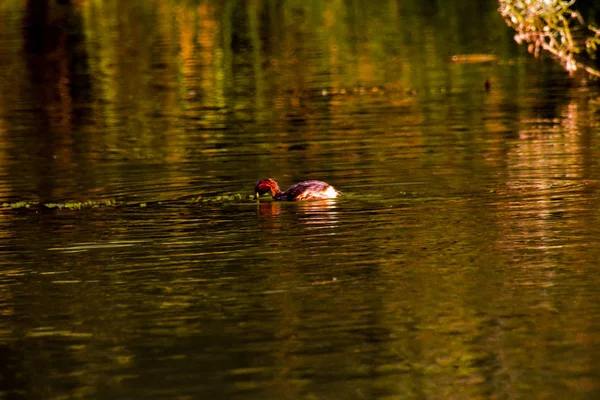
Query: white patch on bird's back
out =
(331, 192)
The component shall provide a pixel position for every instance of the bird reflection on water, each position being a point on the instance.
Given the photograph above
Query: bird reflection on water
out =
(312, 214)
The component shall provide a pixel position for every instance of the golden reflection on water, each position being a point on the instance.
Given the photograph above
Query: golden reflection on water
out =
(546, 180)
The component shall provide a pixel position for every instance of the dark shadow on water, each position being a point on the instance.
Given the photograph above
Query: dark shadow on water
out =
(14, 382)
(59, 84)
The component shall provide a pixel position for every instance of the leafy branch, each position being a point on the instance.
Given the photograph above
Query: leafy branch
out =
(555, 27)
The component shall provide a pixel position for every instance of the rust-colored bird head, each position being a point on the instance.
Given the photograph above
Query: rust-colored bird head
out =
(266, 186)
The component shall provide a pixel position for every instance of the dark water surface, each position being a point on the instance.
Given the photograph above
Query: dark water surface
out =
(462, 262)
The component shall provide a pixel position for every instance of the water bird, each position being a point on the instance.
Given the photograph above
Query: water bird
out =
(305, 190)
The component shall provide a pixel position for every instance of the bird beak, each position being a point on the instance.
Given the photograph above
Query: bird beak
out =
(256, 196)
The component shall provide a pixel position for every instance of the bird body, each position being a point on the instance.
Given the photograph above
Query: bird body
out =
(305, 190)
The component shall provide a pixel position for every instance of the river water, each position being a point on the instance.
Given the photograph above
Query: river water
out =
(462, 261)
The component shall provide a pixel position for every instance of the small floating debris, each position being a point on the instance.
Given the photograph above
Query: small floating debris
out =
(81, 205)
(19, 204)
(70, 205)
(226, 198)
(473, 58)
